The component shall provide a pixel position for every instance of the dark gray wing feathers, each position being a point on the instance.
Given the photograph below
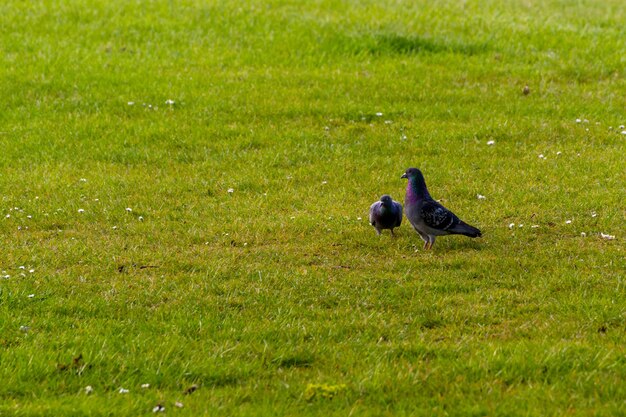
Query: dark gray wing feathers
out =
(398, 209)
(438, 217)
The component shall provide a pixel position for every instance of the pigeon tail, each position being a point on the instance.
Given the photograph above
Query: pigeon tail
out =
(465, 229)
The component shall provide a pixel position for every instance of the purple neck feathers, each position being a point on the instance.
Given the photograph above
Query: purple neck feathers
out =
(416, 189)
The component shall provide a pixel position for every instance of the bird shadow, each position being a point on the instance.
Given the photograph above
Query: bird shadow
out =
(456, 245)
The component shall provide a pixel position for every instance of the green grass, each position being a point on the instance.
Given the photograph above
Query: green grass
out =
(279, 298)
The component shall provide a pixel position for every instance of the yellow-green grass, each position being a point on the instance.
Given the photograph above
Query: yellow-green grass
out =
(277, 297)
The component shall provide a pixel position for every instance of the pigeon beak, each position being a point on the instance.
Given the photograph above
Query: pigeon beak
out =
(403, 175)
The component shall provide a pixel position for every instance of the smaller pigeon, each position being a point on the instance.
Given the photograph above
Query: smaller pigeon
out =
(385, 214)
(429, 218)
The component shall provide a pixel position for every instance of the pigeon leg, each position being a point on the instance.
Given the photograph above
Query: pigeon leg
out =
(431, 241)
(378, 231)
(392, 232)
(424, 237)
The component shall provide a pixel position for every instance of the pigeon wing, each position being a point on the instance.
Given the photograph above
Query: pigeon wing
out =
(398, 208)
(438, 217)
(374, 212)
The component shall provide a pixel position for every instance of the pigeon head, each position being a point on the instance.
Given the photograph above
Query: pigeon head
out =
(386, 200)
(412, 173)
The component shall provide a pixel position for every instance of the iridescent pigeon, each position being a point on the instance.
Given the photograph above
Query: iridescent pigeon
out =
(385, 214)
(429, 218)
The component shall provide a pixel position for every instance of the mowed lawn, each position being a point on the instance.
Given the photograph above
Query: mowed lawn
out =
(184, 196)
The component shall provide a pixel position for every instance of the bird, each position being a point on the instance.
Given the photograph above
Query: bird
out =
(385, 214)
(429, 218)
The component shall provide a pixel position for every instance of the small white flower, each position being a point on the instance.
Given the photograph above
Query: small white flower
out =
(140, 218)
(245, 243)
(128, 209)
(29, 217)
(292, 217)
(379, 114)
(578, 120)
(170, 102)
(594, 214)
(491, 142)
(541, 156)
(481, 197)
(623, 132)
(583, 234)
(88, 389)
(324, 182)
(145, 385)
(521, 225)
(607, 237)
(24, 328)
(388, 122)
(83, 180)
(31, 295)
(534, 226)
(114, 227)
(359, 219)
(22, 267)
(158, 409)
(230, 190)
(559, 153)
(178, 404)
(31, 271)
(585, 121)
(621, 126)
(326, 128)
(124, 391)
(512, 225)
(403, 137)
(131, 103)
(568, 222)
(81, 210)
(8, 216)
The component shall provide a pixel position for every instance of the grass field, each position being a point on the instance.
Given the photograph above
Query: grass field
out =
(185, 187)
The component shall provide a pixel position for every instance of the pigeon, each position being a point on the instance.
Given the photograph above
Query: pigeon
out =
(385, 214)
(429, 218)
